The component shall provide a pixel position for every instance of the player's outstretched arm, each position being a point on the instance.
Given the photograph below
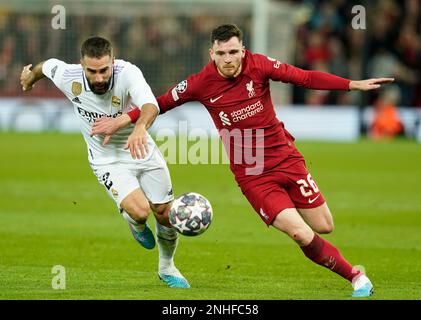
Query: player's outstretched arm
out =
(137, 141)
(318, 80)
(369, 84)
(29, 77)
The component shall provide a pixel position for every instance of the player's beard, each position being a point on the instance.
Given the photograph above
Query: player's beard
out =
(99, 88)
(229, 71)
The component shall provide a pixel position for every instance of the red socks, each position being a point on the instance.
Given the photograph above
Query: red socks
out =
(325, 254)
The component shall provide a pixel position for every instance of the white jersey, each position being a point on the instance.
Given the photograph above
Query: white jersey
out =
(128, 89)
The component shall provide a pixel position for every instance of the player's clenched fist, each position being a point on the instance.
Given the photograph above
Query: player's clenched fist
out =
(26, 78)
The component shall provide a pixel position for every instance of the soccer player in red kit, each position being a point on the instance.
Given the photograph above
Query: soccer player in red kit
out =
(272, 174)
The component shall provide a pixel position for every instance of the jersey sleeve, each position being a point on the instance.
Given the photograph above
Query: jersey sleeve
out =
(277, 71)
(179, 94)
(138, 89)
(54, 70)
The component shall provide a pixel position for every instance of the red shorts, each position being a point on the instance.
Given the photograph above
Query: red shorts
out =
(281, 188)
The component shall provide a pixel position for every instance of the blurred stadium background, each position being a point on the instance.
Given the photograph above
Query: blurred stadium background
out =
(169, 39)
(53, 211)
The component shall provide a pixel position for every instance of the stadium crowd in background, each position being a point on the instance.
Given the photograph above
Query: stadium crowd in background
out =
(161, 47)
(390, 45)
(169, 49)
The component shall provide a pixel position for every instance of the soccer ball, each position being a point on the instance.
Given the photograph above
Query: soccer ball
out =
(191, 214)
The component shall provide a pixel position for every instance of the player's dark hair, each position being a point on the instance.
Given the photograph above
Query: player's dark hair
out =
(225, 32)
(96, 47)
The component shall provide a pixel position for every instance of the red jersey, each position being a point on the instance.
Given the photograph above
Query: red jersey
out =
(243, 112)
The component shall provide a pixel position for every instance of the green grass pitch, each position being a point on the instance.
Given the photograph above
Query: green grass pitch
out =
(53, 212)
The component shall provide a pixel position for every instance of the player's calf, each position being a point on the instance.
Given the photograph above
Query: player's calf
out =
(161, 212)
(137, 207)
(138, 213)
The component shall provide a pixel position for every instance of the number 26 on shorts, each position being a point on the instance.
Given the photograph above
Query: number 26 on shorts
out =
(307, 187)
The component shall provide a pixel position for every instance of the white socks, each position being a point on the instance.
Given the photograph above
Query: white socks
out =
(167, 239)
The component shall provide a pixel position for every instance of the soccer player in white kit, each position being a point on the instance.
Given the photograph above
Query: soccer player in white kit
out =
(104, 86)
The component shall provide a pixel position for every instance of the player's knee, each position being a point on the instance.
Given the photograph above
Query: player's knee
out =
(326, 228)
(329, 228)
(302, 236)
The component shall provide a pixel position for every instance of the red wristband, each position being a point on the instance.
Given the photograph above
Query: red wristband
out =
(134, 114)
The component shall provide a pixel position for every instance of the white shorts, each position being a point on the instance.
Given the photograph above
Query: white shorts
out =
(151, 176)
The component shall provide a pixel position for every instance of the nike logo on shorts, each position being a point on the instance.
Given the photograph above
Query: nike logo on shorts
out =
(312, 200)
